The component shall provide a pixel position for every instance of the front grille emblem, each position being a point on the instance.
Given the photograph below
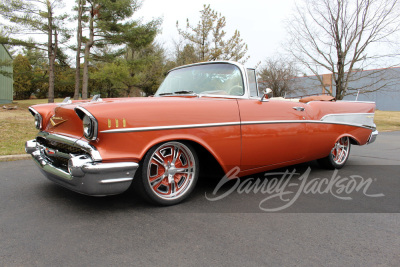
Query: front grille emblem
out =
(50, 152)
(56, 121)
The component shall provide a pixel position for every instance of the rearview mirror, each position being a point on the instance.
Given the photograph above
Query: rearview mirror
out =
(266, 94)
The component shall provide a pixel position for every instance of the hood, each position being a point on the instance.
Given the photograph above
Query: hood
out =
(141, 112)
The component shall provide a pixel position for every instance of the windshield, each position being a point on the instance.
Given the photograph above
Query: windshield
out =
(218, 79)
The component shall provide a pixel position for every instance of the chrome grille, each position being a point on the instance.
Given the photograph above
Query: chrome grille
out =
(62, 152)
(65, 148)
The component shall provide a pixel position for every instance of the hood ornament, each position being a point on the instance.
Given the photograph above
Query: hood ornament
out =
(56, 121)
(96, 98)
(66, 101)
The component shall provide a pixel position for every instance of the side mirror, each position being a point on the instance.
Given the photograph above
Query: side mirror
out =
(266, 94)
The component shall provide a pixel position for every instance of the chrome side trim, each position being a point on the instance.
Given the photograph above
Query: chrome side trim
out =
(307, 121)
(272, 122)
(171, 127)
(364, 119)
(344, 123)
(206, 125)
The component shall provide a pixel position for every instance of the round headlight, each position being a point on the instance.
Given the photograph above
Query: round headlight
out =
(89, 123)
(38, 121)
(88, 128)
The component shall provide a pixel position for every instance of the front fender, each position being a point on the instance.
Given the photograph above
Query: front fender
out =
(224, 143)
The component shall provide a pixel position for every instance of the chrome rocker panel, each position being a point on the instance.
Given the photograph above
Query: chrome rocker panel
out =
(84, 175)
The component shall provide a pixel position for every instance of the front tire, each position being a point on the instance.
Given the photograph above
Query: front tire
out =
(168, 173)
(338, 156)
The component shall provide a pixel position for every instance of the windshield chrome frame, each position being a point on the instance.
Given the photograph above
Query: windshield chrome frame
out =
(243, 72)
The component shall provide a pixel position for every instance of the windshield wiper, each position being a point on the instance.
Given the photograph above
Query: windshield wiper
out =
(179, 93)
(184, 92)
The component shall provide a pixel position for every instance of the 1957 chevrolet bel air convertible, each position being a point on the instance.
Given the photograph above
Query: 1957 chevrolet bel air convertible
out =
(104, 146)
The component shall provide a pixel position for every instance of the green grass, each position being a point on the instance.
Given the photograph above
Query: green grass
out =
(387, 121)
(16, 126)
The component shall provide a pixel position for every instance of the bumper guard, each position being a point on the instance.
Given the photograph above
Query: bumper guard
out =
(84, 175)
(372, 136)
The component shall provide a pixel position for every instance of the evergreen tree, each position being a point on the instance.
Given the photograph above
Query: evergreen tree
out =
(35, 17)
(109, 24)
(22, 74)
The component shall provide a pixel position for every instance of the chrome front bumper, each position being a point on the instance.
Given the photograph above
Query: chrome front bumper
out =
(372, 136)
(83, 174)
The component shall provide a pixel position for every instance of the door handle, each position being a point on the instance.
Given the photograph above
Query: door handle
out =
(298, 108)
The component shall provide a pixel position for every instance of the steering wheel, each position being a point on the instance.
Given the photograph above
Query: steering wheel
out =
(236, 90)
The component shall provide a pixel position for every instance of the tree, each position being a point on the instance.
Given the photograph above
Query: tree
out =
(208, 38)
(185, 56)
(109, 24)
(40, 81)
(106, 79)
(65, 80)
(277, 74)
(152, 70)
(36, 56)
(138, 71)
(341, 36)
(4, 35)
(39, 63)
(80, 6)
(35, 17)
(22, 74)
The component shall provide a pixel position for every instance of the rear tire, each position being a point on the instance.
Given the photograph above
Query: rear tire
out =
(338, 156)
(168, 173)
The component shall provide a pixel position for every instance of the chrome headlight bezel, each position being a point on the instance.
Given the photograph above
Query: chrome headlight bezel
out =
(38, 118)
(89, 123)
(38, 121)
(88, 127)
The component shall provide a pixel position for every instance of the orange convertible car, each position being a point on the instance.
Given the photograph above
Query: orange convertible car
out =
(104, 146)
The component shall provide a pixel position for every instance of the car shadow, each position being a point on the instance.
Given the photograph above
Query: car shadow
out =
(130, 201)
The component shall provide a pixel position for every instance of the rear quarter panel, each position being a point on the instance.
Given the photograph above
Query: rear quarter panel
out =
(324, 135)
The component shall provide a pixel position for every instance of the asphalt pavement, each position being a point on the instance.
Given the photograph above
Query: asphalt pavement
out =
(356, 222)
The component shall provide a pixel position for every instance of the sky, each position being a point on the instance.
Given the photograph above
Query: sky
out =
(260, 22)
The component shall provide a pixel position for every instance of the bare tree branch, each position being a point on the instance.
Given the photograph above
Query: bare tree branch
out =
(338, 36)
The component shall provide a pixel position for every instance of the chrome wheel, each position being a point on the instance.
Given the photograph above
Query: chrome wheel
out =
(338, 156)
(171, 172)
(340, 151)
